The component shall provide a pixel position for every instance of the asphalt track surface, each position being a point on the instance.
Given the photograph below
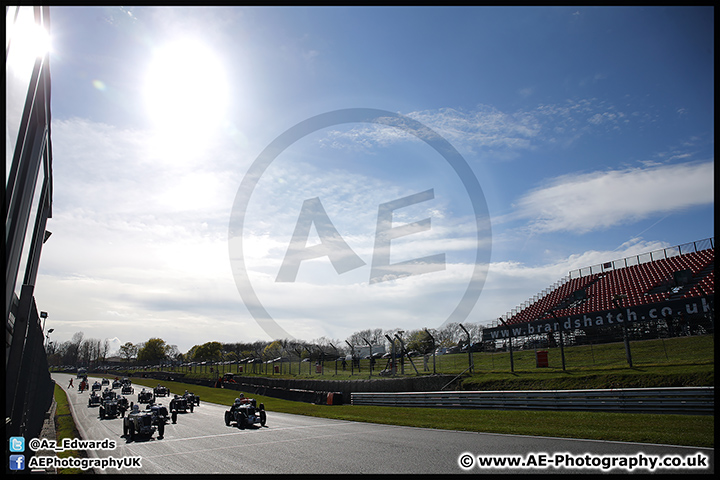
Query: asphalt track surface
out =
(201, 443)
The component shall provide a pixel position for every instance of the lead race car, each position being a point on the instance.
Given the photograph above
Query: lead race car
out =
(180, 404)
(146, 396)
(145, 422)
(142, 423)
(245, 412)
(160, 415)
(161, 391)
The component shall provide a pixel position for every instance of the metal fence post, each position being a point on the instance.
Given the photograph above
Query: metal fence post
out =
(469, 347)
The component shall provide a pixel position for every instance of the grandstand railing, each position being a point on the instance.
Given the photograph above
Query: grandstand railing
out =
(686, 248)
(669, 400)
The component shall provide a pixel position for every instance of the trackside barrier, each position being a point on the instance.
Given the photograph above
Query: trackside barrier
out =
(673, 400)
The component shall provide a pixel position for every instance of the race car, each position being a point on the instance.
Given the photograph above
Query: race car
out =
(160, 414)
(96, 386)
(94, 400)
(192, 398)
(146, 396)
(180, 404)
(127, 389)
(161, 391)
(108, 394)
(245, 412)
(113, 406)
(142, 423)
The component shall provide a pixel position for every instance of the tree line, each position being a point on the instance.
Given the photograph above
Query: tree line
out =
(92, 352)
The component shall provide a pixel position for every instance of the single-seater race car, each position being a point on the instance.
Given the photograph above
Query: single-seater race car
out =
(113, 406)
(142, 423)
(245, 412)
(160, 415)
(161, 391)
(180, 404)
(94, 400)
(127, 388)
(146, 396)
(192, 399)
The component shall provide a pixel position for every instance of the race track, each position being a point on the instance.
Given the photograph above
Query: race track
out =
(201, 443)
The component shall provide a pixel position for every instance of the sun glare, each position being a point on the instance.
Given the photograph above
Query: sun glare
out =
(186, 89)
(28, 40)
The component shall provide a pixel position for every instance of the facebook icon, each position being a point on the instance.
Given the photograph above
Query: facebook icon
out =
(17, 462)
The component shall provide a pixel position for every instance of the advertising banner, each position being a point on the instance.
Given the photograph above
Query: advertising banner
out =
(618, 316)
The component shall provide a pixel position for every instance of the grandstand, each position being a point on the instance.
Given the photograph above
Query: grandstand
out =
(680, 272)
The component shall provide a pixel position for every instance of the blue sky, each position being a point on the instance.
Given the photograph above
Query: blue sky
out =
(589, 129)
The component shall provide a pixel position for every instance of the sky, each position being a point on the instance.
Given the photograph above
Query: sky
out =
(253, 173)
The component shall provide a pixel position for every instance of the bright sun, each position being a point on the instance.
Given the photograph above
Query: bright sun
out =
(27, 41)
(186, 91)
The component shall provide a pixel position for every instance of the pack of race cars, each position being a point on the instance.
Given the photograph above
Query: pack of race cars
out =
(144, 422)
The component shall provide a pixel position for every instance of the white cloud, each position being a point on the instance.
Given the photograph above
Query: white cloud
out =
(581, 203)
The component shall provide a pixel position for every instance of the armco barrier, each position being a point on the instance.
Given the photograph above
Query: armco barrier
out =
(316, 391)
(673, 400)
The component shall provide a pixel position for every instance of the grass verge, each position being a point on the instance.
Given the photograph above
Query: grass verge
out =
(65, 428)
(649, 376)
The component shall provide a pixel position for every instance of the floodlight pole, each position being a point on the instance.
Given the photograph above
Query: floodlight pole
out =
(47, 338)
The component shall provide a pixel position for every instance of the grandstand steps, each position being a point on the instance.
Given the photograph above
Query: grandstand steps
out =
(696, 280)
